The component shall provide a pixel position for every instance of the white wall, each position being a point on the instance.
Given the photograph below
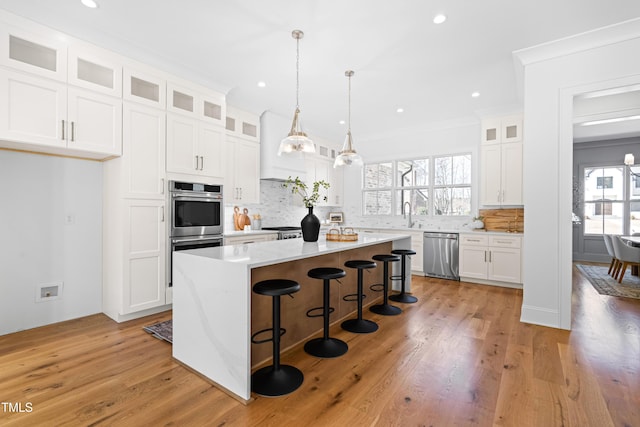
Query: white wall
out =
(39, 247)
(549, 88)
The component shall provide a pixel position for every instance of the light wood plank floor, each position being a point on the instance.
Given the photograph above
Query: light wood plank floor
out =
(458, 357)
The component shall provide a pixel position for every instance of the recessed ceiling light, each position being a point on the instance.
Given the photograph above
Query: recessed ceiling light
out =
(475, 94)
(439, 18)
(342, 122)
(262, 84)
(400, 110)
(89, 3)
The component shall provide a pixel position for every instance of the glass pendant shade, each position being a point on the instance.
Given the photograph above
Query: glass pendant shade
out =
(348, 156)
(297, 140)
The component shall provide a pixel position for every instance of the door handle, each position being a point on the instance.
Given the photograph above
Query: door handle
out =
(63, 129)
(73, 131)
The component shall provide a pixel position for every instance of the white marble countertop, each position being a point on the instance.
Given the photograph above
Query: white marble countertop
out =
(433, 230)
(234, 233)
(259, 254)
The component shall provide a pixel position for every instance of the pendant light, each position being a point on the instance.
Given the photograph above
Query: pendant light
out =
(348, 156)
(297, 140)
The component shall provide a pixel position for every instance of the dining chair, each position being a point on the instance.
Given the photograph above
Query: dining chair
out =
(626, 256)
(609, 246)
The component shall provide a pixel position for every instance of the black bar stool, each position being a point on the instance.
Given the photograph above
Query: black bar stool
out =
(385, 308)
(276, 379)
(359, 325)
(403, 296)
(325, 347)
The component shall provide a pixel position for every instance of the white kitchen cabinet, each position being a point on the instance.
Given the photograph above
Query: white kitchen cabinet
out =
(48, 113)
(144, 87)
(242, 124)
(197, 102)
(143, 153)
(144, 280)
(134, 218)
(251, 238)
(242, 179)
(134, 269)
(94, 122)
(36, 54)
(501, 161)
(59, 97)
(490, 258)
(194, 147)
(320, 167)
(500, 130)
(501, 174)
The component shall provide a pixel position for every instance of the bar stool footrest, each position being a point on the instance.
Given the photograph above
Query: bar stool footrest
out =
(353, 297)
(321, 314)
(377, 287)
(262, 331)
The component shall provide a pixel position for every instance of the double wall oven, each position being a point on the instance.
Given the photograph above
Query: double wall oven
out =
(196, 218)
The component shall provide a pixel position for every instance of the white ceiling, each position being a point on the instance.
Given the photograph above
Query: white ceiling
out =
(400, 58)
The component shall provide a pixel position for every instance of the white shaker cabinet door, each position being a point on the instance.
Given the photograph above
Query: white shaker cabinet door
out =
(32, 109)
(144, 276)
(211, 150)
(182, 139)
(95, 122)
(143, 151)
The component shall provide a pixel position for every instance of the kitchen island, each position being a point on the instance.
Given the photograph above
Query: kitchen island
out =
(215, 310)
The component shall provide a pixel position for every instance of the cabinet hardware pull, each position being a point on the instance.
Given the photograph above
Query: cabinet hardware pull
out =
(201, 163)
(489, 256)
(196, 162)
(162, 214)
(73, 132)
(63, 129)
(485, 256)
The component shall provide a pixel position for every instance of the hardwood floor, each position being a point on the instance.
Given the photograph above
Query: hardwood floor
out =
(459, 356)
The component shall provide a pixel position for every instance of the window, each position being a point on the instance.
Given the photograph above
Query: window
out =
(378, 179)
(611, 203)
(439, 185)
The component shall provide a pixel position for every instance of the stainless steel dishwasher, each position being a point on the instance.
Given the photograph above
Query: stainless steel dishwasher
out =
(440, 255)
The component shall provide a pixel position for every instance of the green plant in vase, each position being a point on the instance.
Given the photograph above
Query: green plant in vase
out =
(310, 223)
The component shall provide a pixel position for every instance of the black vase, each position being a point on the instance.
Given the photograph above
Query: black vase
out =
(310, 227)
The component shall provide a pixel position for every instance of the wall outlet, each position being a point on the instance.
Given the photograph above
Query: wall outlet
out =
(48, 291)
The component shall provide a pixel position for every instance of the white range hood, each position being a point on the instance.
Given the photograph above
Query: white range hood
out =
(273, 128)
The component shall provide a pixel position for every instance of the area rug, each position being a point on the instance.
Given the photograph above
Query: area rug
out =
(162, 330)
(607, 285)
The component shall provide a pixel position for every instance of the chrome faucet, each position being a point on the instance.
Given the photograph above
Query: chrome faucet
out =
(404, 213)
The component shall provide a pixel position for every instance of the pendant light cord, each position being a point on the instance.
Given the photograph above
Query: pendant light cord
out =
(297, 72)
(349, 116)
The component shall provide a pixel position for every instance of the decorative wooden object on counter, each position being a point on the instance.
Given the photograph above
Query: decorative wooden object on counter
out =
(240, 219)
(507, 220)
(334, 235)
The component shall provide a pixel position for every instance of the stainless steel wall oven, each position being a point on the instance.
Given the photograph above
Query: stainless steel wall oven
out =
(196, 218)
